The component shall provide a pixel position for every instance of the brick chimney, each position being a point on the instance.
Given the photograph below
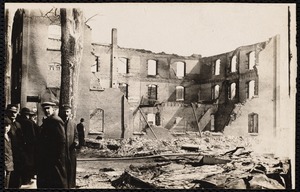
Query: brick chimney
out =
(114, 37)
(114, 59)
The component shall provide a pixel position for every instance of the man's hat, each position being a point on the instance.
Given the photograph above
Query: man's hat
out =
(66, 106)
(12, 108)
(26, 111)
(48, 103)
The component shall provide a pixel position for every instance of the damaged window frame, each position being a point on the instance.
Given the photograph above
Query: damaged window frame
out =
(95, 66)
(152, 92)
(231, 94)
(123, 61)
(180, 93)
(217, 67)
(254, 89)
(214, 92)
(251, 60)
(253, 123)
(233, 65)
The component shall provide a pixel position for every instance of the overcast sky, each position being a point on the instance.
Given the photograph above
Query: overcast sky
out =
(184, 28)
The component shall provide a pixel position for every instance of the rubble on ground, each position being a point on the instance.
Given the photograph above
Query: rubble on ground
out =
(192, 163)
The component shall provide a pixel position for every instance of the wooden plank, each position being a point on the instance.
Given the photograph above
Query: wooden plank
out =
(196, 119)
(147, 122)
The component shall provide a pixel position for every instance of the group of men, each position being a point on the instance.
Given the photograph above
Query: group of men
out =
(47, 151)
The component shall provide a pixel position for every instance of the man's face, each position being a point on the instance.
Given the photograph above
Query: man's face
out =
(12, 115)
(33, 118)
(48, 110)
(67, 113)
(7, 128)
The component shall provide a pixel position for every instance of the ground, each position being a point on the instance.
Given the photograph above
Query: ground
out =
(185, 162)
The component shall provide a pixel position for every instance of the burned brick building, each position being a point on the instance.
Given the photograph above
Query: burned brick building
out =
(122, 91)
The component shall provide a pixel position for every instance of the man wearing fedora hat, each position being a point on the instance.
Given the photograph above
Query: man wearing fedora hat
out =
(17, 142)
(51, 171)
(30, 142)
(72, 143)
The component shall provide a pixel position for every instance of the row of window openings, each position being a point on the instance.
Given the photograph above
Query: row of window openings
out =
(251, 90)
(233, 66)
(54, 31)
(154, 119)
(151, 66)
(180, 91)
(152, 91)
(252, 121)
(180, 66)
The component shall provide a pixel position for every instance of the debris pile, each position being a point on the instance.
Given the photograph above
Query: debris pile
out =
(247, 172)
(139, 146)
(193, 163)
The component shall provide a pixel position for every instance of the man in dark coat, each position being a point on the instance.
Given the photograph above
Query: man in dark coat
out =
(72, 143)
(81, 134)
(17, 143)
(51, 171)
(30, 143)
(8, 157)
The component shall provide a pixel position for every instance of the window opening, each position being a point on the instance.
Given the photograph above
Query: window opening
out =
(152, 92)
(151, 119)
(233, 64)
(216, 91)
(217, 67)
(122, 65)
(152, 67)
(251, 60)
(250, 89)
(232, 91)
(253, 123)
(179, 93)
(180, 69)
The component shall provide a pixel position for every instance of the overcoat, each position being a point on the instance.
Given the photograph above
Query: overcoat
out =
(51, 171)
(72, 140)
(80, 130)
(17, 143)
(29, 137)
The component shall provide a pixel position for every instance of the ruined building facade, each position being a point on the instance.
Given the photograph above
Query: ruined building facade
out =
(122, 90)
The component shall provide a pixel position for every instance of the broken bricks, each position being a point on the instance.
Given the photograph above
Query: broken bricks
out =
(220, 162)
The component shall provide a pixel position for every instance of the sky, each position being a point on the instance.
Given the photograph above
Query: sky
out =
(183, 28)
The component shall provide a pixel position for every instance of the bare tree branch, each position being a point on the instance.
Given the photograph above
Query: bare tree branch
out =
(90, 18)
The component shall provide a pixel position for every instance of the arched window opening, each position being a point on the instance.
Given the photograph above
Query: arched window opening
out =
(232, 91)
(251, 60)
(152, 92)
(216, 92)
(217, 67)
(233, 64)
(179, 93)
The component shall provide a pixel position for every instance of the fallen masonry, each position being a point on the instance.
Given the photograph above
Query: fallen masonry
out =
(189, 163)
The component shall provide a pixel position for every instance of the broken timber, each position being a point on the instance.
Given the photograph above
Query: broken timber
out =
(147, 122)
(196, 119)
